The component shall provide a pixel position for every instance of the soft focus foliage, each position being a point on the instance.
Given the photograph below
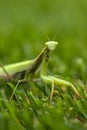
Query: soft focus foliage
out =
(25, 26)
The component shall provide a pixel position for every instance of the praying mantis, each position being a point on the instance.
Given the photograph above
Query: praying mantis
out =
(23, 70)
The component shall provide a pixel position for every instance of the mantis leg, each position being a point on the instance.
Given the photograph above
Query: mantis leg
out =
(49, 80)
(55, 81)
(62, 82)
(52, 91)
(5, 71)
(19, 81)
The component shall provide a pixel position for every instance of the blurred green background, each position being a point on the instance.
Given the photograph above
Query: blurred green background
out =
(25, 26)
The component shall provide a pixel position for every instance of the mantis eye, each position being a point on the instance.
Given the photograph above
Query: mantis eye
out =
(51, 45)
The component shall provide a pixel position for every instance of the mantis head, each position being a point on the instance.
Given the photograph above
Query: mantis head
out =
(51, 45)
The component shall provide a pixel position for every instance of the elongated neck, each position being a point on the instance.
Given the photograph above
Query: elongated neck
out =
(37, 62)
(45, 61)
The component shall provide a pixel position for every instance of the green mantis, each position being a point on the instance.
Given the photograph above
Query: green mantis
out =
(23, 70)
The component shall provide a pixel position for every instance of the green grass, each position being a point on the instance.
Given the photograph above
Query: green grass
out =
(22, 27)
